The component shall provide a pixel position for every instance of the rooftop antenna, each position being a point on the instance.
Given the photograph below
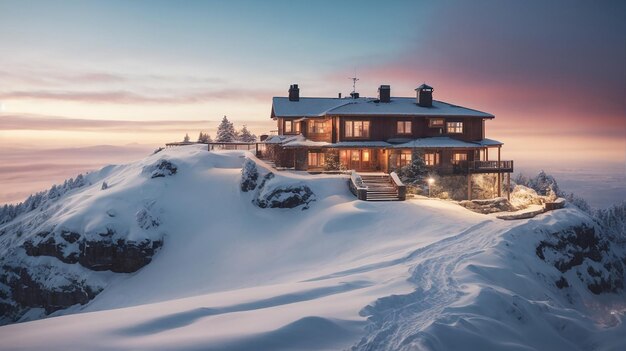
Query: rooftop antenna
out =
(354, 80)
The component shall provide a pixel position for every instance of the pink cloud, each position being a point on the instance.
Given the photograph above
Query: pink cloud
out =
(127, 97)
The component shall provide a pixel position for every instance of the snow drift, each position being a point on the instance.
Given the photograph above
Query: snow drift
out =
(229, 257)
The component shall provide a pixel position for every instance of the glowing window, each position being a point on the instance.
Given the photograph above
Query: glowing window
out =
(357, 129)
(454, 127)
(317, 127)
(431, 159)
(404, 127)
(458, 157)
(316, 159)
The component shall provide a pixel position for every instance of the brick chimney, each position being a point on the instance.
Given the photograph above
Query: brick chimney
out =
(384, 93)
(424, 95)
(294, 92)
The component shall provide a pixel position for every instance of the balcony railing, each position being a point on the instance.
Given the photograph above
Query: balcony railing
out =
(486, 166)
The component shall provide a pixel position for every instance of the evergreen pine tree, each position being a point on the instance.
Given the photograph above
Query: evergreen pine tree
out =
(186, 139)
(226, 132)
(414, 172)
(204, 138)
(246, 136)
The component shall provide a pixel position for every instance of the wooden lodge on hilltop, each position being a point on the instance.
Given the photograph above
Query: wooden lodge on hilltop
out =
(381, 134)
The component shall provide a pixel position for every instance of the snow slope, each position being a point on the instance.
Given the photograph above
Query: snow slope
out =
(420, 274)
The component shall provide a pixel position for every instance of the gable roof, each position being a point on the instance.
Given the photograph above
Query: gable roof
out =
(399, 106)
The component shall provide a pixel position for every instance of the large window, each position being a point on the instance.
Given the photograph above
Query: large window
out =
(404, 127)
(291, 127)
(316, 159)
(317, 127)
(431, 158)
(357, 129)
(458, 157)
(435, 122)
(403, 159)
(454, 127)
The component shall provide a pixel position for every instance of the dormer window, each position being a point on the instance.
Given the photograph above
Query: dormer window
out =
(436, 123)
(403, 127)
(454, 127)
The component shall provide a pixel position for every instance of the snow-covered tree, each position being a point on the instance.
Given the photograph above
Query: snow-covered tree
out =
(246, 136)
(186, 139)
(226, 132)
(414, 172)
(544, 184)
(204, 138)
(332, 163)
(613, 221)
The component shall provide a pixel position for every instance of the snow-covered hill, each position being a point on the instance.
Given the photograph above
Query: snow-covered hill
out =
(172, 254)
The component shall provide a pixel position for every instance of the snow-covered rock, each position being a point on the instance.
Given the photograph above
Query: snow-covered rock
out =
(249, 175)
(161, 168)
(498, 204)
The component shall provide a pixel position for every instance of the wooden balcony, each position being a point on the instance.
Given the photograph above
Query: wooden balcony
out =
(484, 167)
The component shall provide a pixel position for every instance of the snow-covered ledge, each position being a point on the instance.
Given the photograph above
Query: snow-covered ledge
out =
(400, 187)
(357, 187)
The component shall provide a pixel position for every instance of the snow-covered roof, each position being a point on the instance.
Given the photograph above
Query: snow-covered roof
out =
(432, 142)
(299, 141)
(435, 142)
(398, 106)
(490, 142)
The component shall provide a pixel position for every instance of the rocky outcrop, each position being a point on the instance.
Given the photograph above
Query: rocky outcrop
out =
(582, 250)
(54, 246)
(121, 256)
(117, 256)
(498, 204)
(27, 292)
(279, 195)
(271, 192)
(162, 168)
(288, 196)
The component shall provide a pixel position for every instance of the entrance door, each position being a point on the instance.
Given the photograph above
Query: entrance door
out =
(359, 160)
(355, 159)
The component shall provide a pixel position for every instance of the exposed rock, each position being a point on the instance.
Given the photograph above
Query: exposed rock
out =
(498, 204)
(70, 237)
(99, 255)
(161, 168)
(286, 197)
(50, 247)
(146, 220)
(581, 249)
(117, 256)
(28, 292)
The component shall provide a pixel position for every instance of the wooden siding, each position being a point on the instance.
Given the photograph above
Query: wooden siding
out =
(385, 128)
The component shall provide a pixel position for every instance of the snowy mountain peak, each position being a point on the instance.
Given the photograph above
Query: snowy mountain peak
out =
(189, 249)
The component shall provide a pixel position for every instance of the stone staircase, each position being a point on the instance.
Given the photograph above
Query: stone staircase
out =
(380, 187)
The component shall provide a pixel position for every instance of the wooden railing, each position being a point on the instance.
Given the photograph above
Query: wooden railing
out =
(487, 166)
(357, 187)
(400, 187)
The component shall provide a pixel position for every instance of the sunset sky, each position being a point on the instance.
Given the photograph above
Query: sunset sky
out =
(84, 73)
